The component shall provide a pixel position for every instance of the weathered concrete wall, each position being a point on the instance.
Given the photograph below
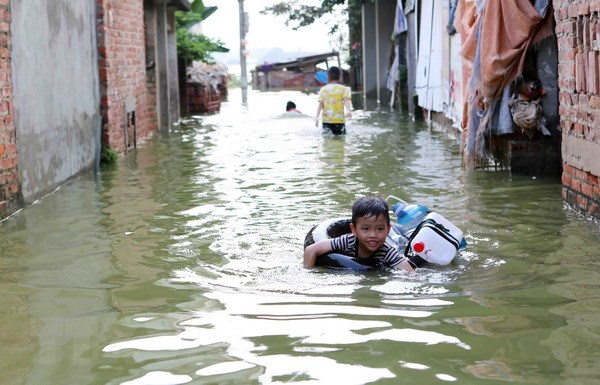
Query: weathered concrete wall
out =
(454, 89)
(378, 24)
(54, 75)
(173, 69)
(70, 69)
(578, 32)
(150, 19)
(162, 68)
(411, 60)
(9, 187)
(369, 55)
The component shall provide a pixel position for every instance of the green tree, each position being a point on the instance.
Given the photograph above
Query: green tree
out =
(191, 46)
(345, 24)
(300, 15)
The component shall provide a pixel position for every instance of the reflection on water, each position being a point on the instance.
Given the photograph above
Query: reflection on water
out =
(183, 264)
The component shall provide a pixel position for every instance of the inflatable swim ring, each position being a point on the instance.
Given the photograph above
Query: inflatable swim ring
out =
(333, 228)
(336, 227)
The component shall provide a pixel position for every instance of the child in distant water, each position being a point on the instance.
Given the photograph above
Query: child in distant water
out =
(370, 227)
(334, 103)
(291, 107)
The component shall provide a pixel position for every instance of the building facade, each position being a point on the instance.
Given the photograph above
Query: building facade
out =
(9, 160)
(75, 76)
(578, 32)
(531, 108)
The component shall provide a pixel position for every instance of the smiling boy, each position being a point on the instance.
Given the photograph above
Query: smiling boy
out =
(370, 227)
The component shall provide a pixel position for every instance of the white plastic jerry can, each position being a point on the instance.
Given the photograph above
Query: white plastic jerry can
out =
(436, 239)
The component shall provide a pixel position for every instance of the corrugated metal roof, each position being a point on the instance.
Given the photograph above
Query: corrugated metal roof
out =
(300, 62)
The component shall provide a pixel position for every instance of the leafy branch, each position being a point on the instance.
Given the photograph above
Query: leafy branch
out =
(345, 24)
(299, 15)
(192, 46)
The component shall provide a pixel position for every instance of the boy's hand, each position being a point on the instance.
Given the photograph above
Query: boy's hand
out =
(310, 257)
(349, 114)
(311, 251)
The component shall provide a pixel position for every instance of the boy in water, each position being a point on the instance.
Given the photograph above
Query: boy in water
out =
(334, 103)
(291, 107)
(370, 227)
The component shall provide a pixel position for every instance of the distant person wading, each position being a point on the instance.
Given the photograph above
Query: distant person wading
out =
(291, 107)
(334, 104)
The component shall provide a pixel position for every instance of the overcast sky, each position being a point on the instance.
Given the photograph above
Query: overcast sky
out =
(266, 31)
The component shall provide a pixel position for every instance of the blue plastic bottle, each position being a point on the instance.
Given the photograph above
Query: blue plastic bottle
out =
(408, 216)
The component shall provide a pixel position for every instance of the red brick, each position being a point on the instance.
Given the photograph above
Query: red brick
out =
(566, 180)
(569, 26)
(580, 174)
(572, 10)
(587, 190)
(11, 149)
(585, 27)
(561, 14)
(575, 185)
(7, 177)
(568, 169)
(8, 121)
(566, 84)
(8, 163)
(571, 42)
(583, 9)
(11, 189)
(595, 100)
(592, 80)
(582, 202)
(580, 72)
(567, 56)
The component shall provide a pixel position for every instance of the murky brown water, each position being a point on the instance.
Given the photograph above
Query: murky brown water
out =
(183, 265)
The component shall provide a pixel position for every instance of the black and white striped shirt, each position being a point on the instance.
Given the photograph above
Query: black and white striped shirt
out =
(348, 244)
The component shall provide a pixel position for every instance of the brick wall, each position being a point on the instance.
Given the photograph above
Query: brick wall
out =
(122, 67)
(9, 187)
(578, 33)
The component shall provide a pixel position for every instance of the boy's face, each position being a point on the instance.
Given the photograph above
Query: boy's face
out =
(371, 232)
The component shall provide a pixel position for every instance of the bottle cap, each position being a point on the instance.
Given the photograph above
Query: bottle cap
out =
(397, 209)
(418, 247)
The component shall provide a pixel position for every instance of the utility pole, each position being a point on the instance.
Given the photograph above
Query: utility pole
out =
(243, 30)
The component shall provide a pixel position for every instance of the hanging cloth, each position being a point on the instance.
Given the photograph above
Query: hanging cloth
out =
(496, 47)
(508, 28)
(400, 24)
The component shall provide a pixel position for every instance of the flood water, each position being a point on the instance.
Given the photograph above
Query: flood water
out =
(183, 265)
